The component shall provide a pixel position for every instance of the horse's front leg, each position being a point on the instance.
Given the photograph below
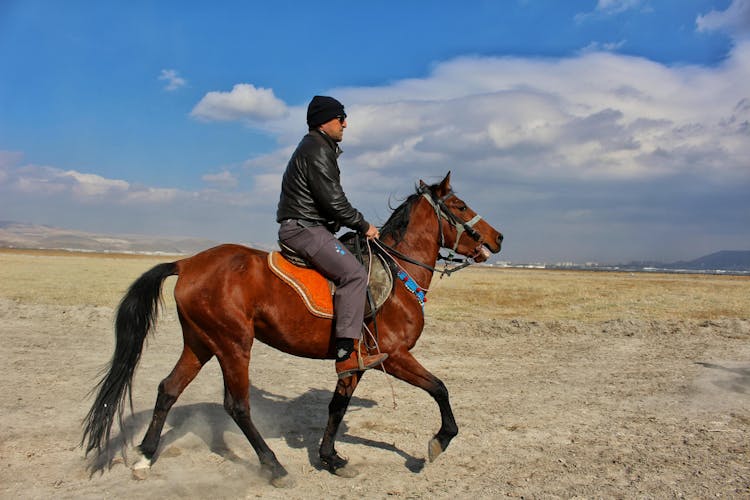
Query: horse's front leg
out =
(329, 458)
(404, 366)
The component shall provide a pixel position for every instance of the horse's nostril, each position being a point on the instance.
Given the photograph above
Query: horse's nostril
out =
(499, 238)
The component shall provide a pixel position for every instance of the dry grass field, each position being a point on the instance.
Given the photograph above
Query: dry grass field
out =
(564, 384)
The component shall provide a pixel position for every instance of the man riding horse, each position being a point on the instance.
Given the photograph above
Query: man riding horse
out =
(312, 207)
(228, 296)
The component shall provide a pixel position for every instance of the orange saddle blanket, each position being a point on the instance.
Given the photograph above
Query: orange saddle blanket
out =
(315, 291)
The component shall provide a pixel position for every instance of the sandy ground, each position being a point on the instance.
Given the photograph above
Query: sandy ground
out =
(563, 384)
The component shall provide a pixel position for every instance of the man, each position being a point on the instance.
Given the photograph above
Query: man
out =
(312, 207)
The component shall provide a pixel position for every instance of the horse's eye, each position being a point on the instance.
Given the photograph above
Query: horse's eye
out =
(462, 208)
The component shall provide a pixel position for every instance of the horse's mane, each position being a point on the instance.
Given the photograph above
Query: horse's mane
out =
(397, 223)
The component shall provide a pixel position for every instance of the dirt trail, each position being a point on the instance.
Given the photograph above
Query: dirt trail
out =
(622, 407)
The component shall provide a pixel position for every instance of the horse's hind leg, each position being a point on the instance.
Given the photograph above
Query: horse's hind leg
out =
(329, 458)
(191, 361)
(237, 404)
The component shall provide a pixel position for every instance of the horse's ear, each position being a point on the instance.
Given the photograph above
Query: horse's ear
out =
(445, 185)
(422, 185)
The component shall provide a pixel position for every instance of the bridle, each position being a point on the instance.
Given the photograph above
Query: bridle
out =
(442, 212)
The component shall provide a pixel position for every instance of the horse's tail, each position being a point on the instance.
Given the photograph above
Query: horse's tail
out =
(136, 316)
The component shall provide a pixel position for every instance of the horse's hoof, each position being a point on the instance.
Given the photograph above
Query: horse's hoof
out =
(347, 471)
(434, 449)
(334, 463)
(141, 468)
(140, 474)
(283, 481)
(277, 476)
(339, 466)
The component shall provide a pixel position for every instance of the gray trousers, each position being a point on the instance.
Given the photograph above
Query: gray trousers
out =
(329, 257)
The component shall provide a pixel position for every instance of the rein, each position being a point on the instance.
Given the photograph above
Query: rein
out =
(446, 258)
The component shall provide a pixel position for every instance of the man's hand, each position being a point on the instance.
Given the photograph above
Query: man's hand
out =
(372, 232)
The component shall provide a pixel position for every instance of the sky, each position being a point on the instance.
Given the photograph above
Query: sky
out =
(586, 131)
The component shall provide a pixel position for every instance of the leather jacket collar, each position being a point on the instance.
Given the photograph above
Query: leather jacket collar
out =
(333, 144)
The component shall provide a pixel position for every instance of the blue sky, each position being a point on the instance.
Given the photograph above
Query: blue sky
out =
(608, 130)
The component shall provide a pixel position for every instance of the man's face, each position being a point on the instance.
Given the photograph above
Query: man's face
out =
(334, 128)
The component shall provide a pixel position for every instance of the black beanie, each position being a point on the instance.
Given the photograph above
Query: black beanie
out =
(322, 109)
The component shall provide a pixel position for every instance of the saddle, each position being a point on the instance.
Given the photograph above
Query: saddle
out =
(317, 292)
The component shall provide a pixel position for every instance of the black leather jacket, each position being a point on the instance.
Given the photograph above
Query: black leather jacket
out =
(311, 189)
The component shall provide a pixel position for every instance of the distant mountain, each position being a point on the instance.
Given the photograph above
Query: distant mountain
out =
(20, 235)
(725, 260)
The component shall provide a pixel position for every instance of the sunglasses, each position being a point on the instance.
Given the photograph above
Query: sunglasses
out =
(341, 118)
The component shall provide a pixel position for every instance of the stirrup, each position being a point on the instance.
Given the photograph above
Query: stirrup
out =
(360, 363)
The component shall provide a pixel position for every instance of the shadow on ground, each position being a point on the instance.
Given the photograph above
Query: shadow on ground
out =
(732, 379)
(300, 421)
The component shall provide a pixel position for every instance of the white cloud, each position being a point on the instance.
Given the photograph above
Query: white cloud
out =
(597, 114)
(617, 6)
(606, 8)
(78, 187)
(92, 185)
(636, 144)
(244, 102)
(223, 179)
(735, 20)
(152, 196)
(174, 81)
(603, 46)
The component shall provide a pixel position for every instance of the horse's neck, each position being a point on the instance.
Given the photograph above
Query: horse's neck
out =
(420, 243)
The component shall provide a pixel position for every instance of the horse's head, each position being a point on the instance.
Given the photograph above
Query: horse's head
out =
(460, 227)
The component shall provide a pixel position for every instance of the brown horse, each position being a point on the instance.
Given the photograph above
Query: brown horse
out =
(227, 297)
